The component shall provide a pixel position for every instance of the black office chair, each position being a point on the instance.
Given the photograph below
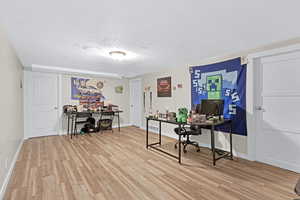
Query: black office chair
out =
(106, 120)
(187, 132)
(297, 188)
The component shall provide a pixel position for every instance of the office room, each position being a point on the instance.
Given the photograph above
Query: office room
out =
(151, 100)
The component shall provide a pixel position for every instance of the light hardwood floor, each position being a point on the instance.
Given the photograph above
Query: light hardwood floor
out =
(118, 166)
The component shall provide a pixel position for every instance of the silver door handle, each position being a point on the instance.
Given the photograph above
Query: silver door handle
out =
(55, 108)
(260, 108)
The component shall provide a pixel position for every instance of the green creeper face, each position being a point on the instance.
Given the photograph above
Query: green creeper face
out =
(183, 111)
(214, 86)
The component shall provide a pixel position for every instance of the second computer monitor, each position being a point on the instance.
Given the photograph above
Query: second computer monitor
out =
(212, 107)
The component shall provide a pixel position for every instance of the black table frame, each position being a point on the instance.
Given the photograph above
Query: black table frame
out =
(71, 118)
(212, 126)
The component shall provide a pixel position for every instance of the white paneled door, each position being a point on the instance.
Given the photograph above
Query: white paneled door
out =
(136, 102)
(44, 104)
(278, 111)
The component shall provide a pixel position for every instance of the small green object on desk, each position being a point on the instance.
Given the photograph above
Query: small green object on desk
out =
(182, 115)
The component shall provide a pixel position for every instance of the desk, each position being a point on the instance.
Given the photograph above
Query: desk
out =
(71, 116)
(211, 125)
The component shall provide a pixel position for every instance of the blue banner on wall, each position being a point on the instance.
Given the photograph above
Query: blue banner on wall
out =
(225, 80)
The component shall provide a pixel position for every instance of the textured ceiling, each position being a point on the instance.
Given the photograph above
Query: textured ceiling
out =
(162, 34)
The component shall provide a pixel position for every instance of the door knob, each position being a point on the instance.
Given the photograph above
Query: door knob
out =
(55, 108)
(260, 108)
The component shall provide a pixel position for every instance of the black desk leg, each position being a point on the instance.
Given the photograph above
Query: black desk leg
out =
(119, 122)
(213, 144)
(179, 149)
(160, 133)
(147, 132)
(72, 123)
(230, 135)
(68, 130)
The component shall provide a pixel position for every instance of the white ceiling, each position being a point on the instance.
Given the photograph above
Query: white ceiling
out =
(163, 33)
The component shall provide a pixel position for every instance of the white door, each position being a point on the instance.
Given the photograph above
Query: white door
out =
(278, 111)
(44, 104)
(136, 102)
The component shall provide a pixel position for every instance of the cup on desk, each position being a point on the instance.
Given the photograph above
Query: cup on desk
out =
(80, 108)
(202, 118)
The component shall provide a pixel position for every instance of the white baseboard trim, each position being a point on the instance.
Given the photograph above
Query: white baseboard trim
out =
(236, 154)
(121, 125)
(11, 168)
(279, 163)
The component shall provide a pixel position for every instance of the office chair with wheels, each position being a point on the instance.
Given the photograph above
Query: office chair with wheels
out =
(187, 132)
(297, 188)
(106, 120)
(78, 120)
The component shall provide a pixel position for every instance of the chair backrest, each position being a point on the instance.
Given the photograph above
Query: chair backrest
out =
(106, 120)
(297, 188)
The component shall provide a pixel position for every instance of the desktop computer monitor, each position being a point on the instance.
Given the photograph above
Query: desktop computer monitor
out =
(212, 107)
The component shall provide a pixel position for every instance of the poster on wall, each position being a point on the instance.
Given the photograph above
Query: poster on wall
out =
(164, 87)
(225, 80)
(87, 91)
(119, 89)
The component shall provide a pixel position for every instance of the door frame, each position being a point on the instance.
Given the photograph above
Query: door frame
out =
(140, 100)
(253, 92)
(27, 96)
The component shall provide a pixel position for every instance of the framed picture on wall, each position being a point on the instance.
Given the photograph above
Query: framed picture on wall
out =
(164, 87)
(119, 89)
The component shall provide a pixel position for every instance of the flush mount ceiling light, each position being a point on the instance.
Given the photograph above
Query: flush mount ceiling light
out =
(117, 55)
(114, 53)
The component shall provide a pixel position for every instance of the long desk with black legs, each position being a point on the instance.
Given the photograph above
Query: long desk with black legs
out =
(209, 125)
(154, 145)
(71, 119)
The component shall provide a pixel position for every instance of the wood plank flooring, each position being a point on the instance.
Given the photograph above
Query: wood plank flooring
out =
(117, 166)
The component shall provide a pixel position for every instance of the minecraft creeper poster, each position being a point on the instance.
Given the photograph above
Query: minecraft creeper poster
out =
(224, 80)
(214, 87)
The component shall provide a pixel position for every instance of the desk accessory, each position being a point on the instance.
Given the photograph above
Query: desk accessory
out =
(182, 115)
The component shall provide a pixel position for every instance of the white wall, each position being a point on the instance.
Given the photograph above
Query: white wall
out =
(11, 103)
(182, 98)
(122, 100)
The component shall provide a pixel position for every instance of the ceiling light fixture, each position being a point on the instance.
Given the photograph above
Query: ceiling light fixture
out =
(114, 53)
(117, 55)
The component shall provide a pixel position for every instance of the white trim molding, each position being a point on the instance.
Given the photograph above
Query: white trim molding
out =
(63, 70)
(121, 125)
(287, 49)
(10, 171)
